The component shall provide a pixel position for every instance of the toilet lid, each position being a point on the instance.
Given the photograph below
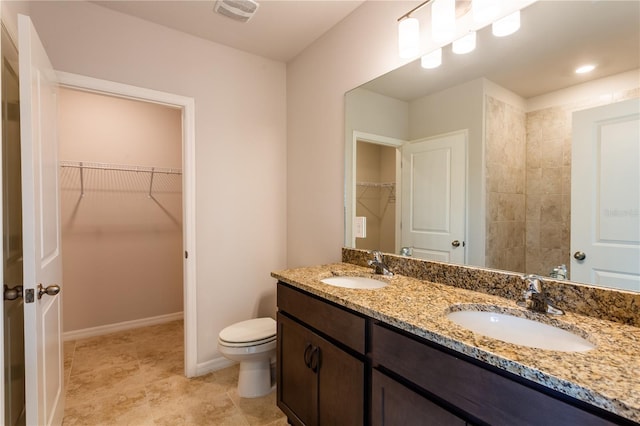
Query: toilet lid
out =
(249, 331)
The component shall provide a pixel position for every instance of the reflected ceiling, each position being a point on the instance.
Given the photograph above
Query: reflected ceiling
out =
(541, 57)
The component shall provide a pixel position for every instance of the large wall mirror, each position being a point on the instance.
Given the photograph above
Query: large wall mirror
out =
(505, 157)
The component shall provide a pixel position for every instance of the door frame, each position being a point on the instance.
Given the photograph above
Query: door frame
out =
(187, 105)
(350, 180)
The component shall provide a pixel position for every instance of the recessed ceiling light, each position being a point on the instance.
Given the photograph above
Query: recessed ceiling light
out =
(585, 69)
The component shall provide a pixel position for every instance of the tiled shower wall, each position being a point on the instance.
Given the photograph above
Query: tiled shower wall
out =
(529, 184)
(505, 186)
(548, 189)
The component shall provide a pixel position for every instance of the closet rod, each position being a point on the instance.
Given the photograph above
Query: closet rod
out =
(119, 167)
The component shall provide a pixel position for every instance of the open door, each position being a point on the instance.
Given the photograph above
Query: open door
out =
(44, 371)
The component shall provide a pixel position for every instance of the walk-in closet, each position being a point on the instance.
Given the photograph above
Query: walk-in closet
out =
(121, 210)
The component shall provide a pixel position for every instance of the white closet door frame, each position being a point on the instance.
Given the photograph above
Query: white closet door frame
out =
(187, 105)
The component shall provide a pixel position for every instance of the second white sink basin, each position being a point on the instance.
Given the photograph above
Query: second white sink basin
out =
(520, 331)
(354, 282)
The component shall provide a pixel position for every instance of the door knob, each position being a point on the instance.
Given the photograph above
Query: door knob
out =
(12, 293)
(455, 243)
(579, 255)
(50, 290)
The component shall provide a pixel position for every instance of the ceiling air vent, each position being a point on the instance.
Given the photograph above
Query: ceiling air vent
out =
(239, 10)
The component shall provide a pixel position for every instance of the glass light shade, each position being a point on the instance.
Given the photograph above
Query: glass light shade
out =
(507, 25)
(485, 11)
(464, 44)
(443, 20)
(432, 59)
(409, 38)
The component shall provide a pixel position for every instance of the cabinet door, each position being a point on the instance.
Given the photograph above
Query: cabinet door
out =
(341, 386)
(297, 383)
(394, 404)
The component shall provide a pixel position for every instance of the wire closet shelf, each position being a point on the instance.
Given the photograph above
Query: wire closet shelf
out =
(85, 165)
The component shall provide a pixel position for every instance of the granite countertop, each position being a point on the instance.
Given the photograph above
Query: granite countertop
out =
(606, 377)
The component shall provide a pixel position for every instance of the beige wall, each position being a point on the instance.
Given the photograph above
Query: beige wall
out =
(240, 132)
(122, 251)
(358, 49)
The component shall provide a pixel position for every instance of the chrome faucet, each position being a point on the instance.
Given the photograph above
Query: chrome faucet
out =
(378, 263)
(535, 298)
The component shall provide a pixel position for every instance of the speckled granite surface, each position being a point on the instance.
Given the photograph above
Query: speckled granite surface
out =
(606, 376)
(598, 302)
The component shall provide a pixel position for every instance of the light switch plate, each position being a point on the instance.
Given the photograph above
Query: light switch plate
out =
(360, 226)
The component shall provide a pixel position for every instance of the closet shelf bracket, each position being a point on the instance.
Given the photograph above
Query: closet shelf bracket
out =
(82, 165)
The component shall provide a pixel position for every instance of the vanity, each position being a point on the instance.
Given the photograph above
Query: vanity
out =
(390, 356)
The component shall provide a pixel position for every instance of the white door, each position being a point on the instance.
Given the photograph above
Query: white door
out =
(605, 191)
(44, 372)
(434, 197)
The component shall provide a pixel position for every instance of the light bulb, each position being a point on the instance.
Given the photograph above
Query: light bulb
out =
(485, 11)
(585, 69)
(464, 44)
(507, 25)
(443, 20)
(432, 59)
(409, 38)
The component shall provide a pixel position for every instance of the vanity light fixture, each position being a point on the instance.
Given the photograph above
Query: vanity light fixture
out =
(409, 33)
(507, 25)
(585, 69)
(464, 44)
(443, 26)
(409, 37)
(443, 20)
(485, 11)
(432, 59)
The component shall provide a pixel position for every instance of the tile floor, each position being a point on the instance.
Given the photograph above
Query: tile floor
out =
(135, 378)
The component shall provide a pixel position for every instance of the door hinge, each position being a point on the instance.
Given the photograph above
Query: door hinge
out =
(186, 254)
(29, 295)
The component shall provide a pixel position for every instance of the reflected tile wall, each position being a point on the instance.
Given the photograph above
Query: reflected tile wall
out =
(548, 182)
(505, 150)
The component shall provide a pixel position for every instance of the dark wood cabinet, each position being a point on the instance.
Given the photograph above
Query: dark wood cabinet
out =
(392, 403)
(472, 390)
(338, 367)
(319, 383)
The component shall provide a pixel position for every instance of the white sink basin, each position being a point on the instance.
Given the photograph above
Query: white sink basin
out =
(520, 331)
(354, 282)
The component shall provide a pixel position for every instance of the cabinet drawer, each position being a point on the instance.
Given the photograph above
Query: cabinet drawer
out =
(394, 404)
(343, 326)
(480, 393)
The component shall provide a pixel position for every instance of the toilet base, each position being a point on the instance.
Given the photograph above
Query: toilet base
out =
(254, 379)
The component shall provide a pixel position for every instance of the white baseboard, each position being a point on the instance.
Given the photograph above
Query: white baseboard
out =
(213, 365)
(120, 326)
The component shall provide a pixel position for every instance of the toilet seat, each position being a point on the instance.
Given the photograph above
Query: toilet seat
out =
(245, 344)
(252, 332)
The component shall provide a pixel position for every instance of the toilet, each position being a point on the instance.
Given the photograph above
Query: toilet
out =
(252, 343)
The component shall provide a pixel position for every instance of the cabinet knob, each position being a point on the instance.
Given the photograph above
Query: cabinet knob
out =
(580, 255)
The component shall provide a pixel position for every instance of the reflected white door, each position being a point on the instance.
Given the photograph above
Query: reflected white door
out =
(434, 197)
(605, 188)
(44, 372)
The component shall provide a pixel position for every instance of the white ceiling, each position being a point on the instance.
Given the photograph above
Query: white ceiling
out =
(279, 30)
(554, 39)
